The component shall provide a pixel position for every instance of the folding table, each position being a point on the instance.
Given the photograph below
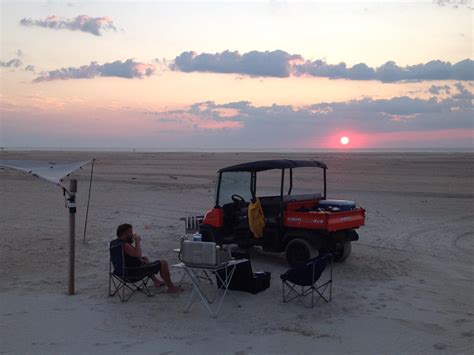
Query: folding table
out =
(193, 270)
(202, 274)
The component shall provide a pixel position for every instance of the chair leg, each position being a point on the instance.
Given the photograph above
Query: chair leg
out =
(330, 290)
(324, 287)
(283, 289)
(292, 292)
(110, 286)
(119, 288)
(144, 287)
(126, 297)
(126, 290)
(123, 293)
(116, 284)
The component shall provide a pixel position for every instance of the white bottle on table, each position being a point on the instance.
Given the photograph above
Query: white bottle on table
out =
(197, 237)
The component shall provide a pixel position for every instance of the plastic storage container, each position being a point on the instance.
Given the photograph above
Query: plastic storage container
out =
(336, 205)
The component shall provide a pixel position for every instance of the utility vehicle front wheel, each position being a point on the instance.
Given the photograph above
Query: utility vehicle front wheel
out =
(298, 251)
(342, 250)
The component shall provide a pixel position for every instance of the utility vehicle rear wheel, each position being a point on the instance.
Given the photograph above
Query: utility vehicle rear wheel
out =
(298, 251)
(342, 251)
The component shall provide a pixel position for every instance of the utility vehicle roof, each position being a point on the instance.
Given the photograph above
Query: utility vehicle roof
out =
(262, 165)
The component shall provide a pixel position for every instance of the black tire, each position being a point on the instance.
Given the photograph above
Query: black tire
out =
(299, 251)
(342, 250)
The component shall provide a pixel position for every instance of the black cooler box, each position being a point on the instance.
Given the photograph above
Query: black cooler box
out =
(244, 278)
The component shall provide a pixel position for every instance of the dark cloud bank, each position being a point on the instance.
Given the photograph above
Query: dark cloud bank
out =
(16, 63)
(12, 63)
(277, 64)
(286, 123)
(81, 23)
(281, 64)
(128, 69)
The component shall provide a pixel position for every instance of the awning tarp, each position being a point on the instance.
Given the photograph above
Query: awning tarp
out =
(47, 170)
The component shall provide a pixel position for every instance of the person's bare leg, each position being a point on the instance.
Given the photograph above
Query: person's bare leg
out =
(165, 274)
(156, 281)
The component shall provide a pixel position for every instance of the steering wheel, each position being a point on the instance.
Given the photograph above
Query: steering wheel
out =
(238, 199)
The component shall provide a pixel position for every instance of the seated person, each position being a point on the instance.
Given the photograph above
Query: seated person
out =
(138, 265)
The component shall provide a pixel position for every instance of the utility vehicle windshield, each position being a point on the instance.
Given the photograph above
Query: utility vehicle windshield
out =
(234, 183)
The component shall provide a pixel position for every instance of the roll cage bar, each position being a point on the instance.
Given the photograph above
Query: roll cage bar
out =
(263, 165)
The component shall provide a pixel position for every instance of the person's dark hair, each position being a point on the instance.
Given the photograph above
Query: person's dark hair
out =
(123, 228)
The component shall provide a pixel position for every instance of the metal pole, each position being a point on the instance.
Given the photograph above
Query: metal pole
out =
(218, 189)
(325, 187)
(72, 232)
(88, 200)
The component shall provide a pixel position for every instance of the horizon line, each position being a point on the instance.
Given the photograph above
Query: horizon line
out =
(242, 150)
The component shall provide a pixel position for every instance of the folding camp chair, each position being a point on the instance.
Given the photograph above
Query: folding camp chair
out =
(123, 284)
(305, 277)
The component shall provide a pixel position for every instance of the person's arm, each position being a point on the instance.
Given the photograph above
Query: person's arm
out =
(134, 250)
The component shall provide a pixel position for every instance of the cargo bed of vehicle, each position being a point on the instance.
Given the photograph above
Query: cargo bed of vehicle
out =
(330, 221)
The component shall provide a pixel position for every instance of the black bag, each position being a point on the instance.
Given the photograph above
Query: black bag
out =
(245, 280)
(261, 281)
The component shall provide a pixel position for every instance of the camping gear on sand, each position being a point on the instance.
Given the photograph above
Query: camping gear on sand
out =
(244, 278)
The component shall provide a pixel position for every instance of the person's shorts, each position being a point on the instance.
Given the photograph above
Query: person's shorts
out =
(144, 270)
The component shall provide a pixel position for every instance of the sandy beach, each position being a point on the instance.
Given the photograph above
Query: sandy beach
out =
(407, 288)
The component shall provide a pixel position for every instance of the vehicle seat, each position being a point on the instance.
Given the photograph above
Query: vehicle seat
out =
(271, 207)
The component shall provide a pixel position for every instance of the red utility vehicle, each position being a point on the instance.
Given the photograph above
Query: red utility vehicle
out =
(298, 223)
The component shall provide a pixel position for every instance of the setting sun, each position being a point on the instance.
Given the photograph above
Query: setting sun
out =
(344, 140)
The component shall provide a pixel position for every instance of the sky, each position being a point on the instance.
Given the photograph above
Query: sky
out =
(248, 75)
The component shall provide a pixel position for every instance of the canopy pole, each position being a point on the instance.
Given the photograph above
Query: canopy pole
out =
(88, 200)
(72, 232)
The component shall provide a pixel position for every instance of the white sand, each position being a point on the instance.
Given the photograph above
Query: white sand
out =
(407, 287)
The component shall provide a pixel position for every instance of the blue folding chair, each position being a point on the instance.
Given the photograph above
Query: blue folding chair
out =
(304, 280)
(124, 280)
